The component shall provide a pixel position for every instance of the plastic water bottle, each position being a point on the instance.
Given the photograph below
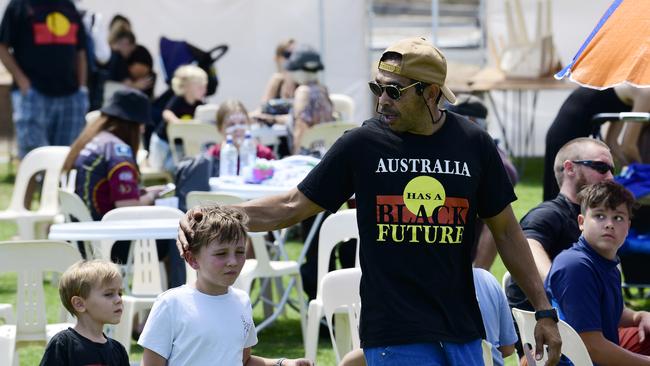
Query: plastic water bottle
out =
(228, 158)
(247, 154)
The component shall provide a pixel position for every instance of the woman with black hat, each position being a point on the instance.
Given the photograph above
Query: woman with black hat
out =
(104, 156)
(107, 173)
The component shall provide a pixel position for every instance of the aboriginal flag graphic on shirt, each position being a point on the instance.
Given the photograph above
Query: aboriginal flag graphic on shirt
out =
(54, 28)
(422, 214)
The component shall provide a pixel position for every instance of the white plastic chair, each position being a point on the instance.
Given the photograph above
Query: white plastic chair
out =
(323, 135)
(69, 180)
(572, 345)
(263, 267)
(147, 172)
(7, 335)
(504, 280)
(49, 159)
(193, 136)
(29, 259)
(207, 113)
(73, 208)
(199, 198)
(7, 314)
(340, 291)
(343, 106)
(149, 279)
(336, 228)
(487, 353)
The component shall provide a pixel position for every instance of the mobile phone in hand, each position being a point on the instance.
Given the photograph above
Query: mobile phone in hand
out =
(169, 187)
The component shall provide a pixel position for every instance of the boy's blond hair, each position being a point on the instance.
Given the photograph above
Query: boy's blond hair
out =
(186, 74)
(217, 223)
(80, 278)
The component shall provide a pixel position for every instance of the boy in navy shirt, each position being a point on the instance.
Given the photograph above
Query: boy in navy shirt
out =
(585, 284)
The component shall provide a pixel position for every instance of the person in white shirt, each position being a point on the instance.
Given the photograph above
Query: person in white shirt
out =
(210, 322)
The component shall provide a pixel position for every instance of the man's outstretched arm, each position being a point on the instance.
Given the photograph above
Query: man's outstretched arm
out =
(265, 214)
(280, 211)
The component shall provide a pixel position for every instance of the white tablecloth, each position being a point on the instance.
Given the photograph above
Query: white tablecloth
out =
(288, 173)
(116, 230)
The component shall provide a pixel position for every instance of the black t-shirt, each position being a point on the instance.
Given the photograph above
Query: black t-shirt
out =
(554, 224)
(574, 117)
(45, 36)
(72, 349)
(182, 109)
(573, 120)
(118, 69)
(417, 201)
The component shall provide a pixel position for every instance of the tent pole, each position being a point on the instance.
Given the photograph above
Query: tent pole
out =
(321, 21)
(434, 22)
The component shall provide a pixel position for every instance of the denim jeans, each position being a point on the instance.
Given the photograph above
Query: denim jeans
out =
(42, 120)
(427, 354)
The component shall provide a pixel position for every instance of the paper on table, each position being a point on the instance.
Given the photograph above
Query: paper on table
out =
(168, 201)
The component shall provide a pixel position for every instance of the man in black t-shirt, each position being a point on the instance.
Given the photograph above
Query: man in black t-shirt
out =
(42, 45)
(420, 177)
(552, 226)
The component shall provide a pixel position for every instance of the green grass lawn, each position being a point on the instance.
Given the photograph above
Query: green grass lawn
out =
(281, 339)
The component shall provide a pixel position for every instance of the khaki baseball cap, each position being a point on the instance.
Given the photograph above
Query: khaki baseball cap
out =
(421, 61)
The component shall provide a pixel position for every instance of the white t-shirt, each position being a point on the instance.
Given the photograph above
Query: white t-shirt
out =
(188, 327)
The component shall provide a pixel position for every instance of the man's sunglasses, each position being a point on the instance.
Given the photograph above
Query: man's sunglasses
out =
(392, 91)
(599, 166)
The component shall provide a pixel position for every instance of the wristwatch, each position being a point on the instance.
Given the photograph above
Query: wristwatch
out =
(279, 362)
(548, 313)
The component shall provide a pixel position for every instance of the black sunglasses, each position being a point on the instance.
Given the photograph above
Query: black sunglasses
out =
(599, 166)
(392, 91)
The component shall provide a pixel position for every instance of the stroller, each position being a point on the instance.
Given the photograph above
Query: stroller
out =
(635, 253)
(177, 53)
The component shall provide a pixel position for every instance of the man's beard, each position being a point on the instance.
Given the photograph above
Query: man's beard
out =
(581, 182)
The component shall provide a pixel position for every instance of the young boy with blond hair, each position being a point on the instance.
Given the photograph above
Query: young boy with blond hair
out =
(209, 322)
(584, 282)
(92, 292)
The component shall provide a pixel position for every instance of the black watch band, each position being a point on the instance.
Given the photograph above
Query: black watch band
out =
(548, 313)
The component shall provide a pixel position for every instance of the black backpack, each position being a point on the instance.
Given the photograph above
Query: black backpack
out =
(193, 174)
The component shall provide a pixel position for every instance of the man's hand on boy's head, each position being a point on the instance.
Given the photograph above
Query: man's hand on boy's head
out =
(185, 232)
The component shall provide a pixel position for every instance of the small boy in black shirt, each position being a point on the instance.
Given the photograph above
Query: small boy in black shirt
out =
(92, 292)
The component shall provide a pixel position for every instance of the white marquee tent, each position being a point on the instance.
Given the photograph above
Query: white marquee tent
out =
(252, 29)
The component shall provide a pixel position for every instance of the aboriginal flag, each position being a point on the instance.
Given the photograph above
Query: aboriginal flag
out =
(56, 29)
